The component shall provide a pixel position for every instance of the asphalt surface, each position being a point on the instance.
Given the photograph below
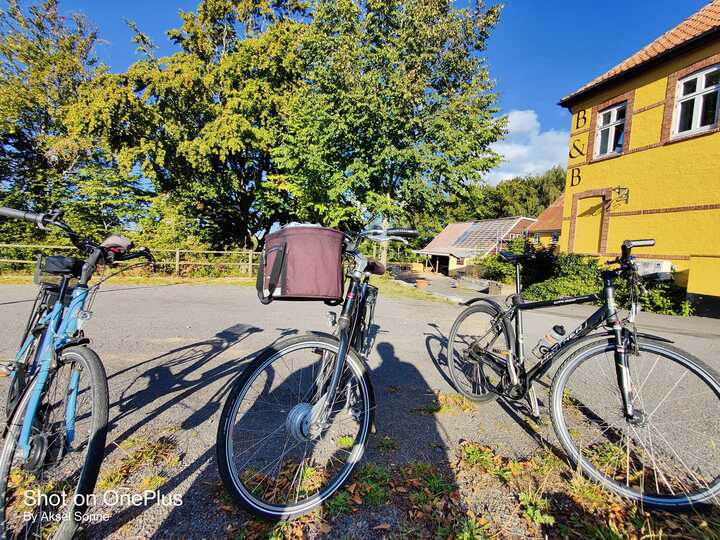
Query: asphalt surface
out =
(171, 353)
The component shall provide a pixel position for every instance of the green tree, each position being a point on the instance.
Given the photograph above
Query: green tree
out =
(525, 196)
(332, 112)
(399, 116)
(44, 61)
(200, 124)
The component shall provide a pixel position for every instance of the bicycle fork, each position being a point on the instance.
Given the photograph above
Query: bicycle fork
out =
(622, 371)
(320, 411)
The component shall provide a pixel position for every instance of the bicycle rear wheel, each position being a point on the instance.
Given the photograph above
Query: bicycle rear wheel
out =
(669, 456)
(474, 334)
(43, 492)
(270, 460)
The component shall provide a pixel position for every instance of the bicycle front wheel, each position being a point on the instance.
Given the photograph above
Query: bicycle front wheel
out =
(476, 339)
(668, 455)
(271, 459)
(44, 488)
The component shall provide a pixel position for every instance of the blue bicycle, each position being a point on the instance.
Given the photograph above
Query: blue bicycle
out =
(57, 401)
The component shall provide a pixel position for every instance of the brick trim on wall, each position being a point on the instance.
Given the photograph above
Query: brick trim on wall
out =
(692, 208)
(642, 256)
(649, 107)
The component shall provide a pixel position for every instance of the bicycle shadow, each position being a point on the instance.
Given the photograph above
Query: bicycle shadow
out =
(174, 377)
(402, 395)
(436, 345)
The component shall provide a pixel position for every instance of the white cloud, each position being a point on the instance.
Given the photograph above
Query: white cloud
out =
(527, 149)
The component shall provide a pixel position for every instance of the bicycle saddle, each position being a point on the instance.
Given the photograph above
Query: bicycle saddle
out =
(515, 258)
(117, 244)
(375, 267)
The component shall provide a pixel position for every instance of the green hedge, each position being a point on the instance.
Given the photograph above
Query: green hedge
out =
(574, 275)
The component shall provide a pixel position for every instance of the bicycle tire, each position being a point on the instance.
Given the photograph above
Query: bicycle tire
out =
(509, 341)
(93, 453)
(233, 484)
(558, 396)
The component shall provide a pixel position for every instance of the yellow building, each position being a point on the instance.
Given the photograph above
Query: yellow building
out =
(644, 155)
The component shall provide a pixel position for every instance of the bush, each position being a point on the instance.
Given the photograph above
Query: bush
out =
(491, 267)
(575, 275)
(558, 287)
(572, 275)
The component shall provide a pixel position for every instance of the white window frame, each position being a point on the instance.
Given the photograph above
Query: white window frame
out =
(697, 96)
(612, 126)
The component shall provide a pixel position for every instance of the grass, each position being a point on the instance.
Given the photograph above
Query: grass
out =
(152, 482)
(447, 404)
(345, 442)
(475, 455)
(339, 504)
(392, 288)
(155, 279)
(536, 507)
(387, 444)
(471, 529)
(374, 480)
(139, 454)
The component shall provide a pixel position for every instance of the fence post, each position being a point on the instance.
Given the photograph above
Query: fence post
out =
(177, 262)
(250, 262)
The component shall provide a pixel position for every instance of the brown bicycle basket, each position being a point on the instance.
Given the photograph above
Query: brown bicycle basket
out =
(301, 262)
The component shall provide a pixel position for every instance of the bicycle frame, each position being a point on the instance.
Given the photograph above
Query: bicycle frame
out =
(606, 314)
(61, 325)
(347, 328)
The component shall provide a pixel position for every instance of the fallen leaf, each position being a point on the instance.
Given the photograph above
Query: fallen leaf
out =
(382, 527)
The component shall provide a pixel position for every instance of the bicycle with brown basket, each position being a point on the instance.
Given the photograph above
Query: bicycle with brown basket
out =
(296, 421)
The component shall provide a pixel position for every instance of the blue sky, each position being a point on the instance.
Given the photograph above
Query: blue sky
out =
(541, 51)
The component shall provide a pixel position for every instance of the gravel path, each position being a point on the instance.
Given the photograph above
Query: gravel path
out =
(171, 353)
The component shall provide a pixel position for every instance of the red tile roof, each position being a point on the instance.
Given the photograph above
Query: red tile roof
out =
(550, 219)
(705, 21)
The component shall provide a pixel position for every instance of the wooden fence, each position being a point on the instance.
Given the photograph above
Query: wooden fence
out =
(178, 262)
(172, 261)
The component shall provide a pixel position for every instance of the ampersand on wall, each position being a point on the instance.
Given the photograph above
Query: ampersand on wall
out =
(576, 150)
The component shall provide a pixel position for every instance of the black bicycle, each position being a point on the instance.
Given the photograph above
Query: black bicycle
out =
(296, 422)
(634, 413)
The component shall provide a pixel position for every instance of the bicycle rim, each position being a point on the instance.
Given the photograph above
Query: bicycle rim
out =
(276, 467)
(474, 336)
(669, 456)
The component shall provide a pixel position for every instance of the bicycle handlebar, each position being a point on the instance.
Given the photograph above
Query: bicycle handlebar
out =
(84, 244)
(38, 219)
(402, 233)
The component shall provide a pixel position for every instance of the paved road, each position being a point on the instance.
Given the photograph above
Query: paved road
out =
(172, 351)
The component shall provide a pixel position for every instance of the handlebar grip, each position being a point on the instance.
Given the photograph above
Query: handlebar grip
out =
(403, 233)
(19, 214)
(639, 243)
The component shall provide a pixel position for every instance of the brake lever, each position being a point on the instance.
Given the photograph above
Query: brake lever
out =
(398, 239)
(150, 259)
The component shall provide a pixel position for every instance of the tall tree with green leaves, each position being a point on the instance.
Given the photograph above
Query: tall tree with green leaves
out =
(200, 123)
(331, 112)
(524, 196)
(398, 114)
(44, 60)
